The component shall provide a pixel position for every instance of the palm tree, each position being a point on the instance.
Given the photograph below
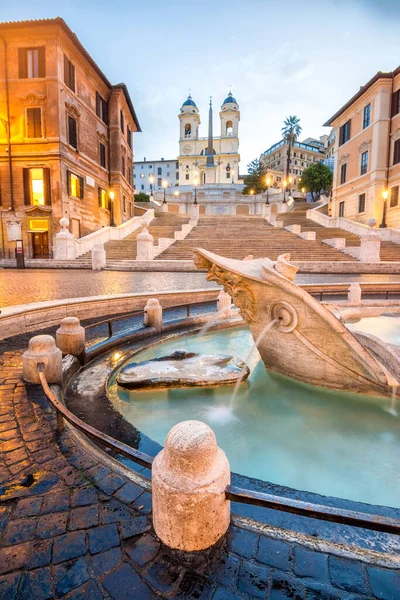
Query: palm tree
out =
(290, 132)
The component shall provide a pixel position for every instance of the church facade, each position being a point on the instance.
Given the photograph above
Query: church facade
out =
(209, 160)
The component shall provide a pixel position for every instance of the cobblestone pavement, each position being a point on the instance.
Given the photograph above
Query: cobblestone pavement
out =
(72, 528)
(25, 286)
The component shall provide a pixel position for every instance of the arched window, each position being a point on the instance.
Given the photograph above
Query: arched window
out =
(188, 130)
(229, 128)
(228, 171)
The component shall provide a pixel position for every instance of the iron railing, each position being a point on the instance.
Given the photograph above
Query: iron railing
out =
(233, 493)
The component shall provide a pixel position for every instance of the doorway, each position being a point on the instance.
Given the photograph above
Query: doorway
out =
(40, 244)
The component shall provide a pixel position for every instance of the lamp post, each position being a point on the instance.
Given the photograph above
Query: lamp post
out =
(284, 190)
(165, 185)
(268, 183)
(111, 195)
(151, 180)
(385, 195)
(195, 190)
(290, 184)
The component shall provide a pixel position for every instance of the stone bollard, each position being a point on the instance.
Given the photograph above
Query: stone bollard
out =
(70, 337)
(354, 293)
(65, 243)
(153, 314)
(42, 349)
(145, 247)
(189, 478)
(224, 303)
(99, 260)
(370, 247)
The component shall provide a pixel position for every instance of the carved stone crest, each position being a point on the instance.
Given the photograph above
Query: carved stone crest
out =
(33, 99)
(365, 144)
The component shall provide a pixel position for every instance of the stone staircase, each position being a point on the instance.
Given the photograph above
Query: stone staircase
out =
(389, 250)
(237, 237)
(164, 225)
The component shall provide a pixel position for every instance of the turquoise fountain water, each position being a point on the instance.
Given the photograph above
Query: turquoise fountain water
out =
(280, 430)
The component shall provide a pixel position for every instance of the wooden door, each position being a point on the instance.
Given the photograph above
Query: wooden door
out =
(40, 244)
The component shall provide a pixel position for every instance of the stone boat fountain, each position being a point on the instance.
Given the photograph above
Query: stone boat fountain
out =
(306, 342)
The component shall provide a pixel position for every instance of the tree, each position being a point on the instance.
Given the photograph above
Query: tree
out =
(254, 182)
(290, 132)
(142, 197)
(316, 179)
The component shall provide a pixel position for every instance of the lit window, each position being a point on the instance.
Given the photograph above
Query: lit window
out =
(37, 187)
(102, 198)
(367, 116)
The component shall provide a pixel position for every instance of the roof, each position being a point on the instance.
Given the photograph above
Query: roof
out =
(361, 91)
(230, 99)
(74, 38)
(189, 101)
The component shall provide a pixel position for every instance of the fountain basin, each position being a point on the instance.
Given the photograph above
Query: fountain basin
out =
(183, 369)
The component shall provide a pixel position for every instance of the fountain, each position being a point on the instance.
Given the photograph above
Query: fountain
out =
(308, 342)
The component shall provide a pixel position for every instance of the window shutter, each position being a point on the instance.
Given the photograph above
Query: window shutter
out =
(22, 63)
(42, 61)
(68, 182)
(99, 196)
(72, 133)
(105, 111)
(27, 186)
(98, 104)
(81, 187)
(395, 103)
(66, 71)
(72, 76)
(47, 187)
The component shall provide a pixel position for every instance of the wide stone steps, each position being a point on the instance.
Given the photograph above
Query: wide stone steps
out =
(237, 237)
(163, 225)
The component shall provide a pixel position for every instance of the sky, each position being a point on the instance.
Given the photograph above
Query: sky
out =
(302, 57)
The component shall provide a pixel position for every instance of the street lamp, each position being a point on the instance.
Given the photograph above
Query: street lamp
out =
(385, 195)
(268, 183)
(251, 192)
(165, 185)
(111, 195)
(151, 180)
(284, 190)
(195, 190)
(290, 184)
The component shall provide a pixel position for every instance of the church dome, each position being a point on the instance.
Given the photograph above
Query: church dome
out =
(230, 99)
(189, 102)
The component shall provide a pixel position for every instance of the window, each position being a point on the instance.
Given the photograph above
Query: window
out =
(123, 165)
(228, 174)
(344, 133)
(101, 108)
(102, 198)
(130, 174)
(75, 185)
(130, 209)
(142, 187)
(124, 204)
(31, 62)
(129, 137)
(394, 196)
(34, 122)
(229, 128)
(343, 173)
(396, 152)
(367, 116)
(341, 209)
(361, 203)
(122, 121)
(102, 154)
(187, 176)
(159, 171)
(188, 130)
(37, 191)
(159, 182)
(396, 103)
(72, 132)
(364, 163)
(69, 73)
(177, 176)
(177, 165)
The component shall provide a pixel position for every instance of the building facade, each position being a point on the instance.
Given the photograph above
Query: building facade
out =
(303, 155)
(151, 175)
(367, 152)
(66, 137)
(193, 150)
